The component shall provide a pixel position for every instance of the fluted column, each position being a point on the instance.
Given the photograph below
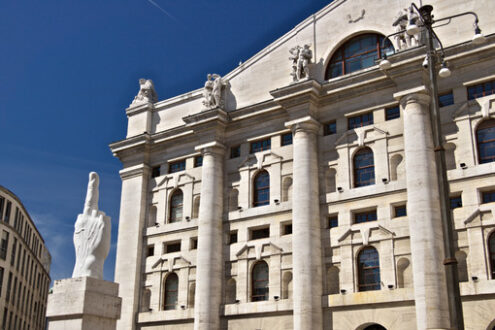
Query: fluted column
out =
(209, 264)
(423, 210)
(306, 242)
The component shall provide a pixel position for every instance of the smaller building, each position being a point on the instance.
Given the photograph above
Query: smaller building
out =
(24, 267)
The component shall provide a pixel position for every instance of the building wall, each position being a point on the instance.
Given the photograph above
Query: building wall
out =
(261, 103)
(24, 267)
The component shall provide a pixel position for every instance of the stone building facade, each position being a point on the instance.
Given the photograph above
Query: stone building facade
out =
(24, 267)
(304, 196)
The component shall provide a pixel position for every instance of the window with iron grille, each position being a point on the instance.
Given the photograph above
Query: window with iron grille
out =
(365, 216)
(368, 270)
(260, 281)
(361, 120)
(364, 168)
(480, 90)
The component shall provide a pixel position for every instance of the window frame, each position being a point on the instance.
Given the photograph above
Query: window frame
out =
(369, 213)
(484, 92)
(450, 99)
(284, 141)
(491, 254)
(485, 125)
(173, 209)
(369, 121)
(177, 166)
(168, 292)
(363, 169)
(364, 271)
(389, 115)
(265, 296)
(330, 128)
(260, 145)
(259, 191)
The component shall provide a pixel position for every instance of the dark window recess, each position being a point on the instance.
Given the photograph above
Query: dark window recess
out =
(369, 270)
(455, 202)
(333, 221)
(488, 196)
(330, 128)
(198, 161)
(261, 194)
(446, 99)
(392, 113)
(400, 211)
(177, 166)
(485, 140)
(261, 145)
(233, 237)
(4, 245)
(364, 168)
(260, 233)
(172, 247)
(287, 229)
(260, 284)
(235, 152)
(151, 251)
(360, 121)
(155, 172)
(194, 244)
(7, 212)
(480, 90)
(286, 139)
(365, 216)
(2, 203)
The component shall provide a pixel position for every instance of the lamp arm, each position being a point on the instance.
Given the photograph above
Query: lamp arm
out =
(476, 20)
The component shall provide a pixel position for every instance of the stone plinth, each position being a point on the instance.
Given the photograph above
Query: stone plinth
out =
(83, 303)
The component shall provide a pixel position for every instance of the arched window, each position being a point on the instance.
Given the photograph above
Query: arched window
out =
(176, 206)
(374, 327)
(491, 248)
(364, 168)
(358, 53)
(171, 292)
(368, 269)
(485, 139)
(261, 194)
(260, 282)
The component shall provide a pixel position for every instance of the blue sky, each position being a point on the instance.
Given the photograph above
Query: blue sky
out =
(68, 70)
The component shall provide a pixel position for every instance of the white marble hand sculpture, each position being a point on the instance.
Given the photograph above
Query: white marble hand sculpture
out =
(91, 235)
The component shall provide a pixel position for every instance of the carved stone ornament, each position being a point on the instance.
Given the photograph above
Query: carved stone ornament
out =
(91, 235)
(403, 39)
(301, 59)
(213, 91)
(146, 94)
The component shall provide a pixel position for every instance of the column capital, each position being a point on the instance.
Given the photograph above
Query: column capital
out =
(306, 124)
(413, 95)
(211, 147)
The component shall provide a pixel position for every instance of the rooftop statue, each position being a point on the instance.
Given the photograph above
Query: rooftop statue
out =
(146, 94)
(301, 58)
(91, 235)
(213, 91)
(403, 39)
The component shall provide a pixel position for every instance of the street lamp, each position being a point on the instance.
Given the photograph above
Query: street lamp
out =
(430, 62)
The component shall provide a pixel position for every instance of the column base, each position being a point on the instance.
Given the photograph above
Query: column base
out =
(83, 303)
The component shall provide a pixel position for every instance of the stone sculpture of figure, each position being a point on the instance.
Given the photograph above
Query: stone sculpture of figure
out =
(146, 94)
(305, 56)
(213, 91)
(294, 56)
(91, 235)
(403, 39)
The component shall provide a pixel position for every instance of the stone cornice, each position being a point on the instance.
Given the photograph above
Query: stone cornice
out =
(134, 171)
(138, 108)
(304, 92)
(135, 142)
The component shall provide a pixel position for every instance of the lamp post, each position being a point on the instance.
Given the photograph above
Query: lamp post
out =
(431, 60)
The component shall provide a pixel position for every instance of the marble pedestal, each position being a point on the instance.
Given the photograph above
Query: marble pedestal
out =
(83, 303)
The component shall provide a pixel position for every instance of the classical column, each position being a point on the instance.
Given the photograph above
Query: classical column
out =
(129, 250)
(209, 263)
(423, 211)
(306, 242)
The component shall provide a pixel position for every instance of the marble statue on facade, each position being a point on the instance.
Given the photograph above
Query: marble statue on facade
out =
(91, 235)
(213, 91)
(146, 94)
(403, 39)
(301, 59)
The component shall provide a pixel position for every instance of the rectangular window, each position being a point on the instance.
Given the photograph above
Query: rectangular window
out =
(149, 253)
(2, 204)
(172, 247)
(455, 202)
(1, 280)
(177, 166)
(488, 196)
(480, 90)
(360, 120)
(194, 243)
(260, 145)
(4, 321)
(400, 211)
(330, 128)
(12, 256)
(233, 237)
(366, 216)
(392, 113)
(7, 212)
(9, 284)
(286, 139)
(198, 161)
(260, 233)
(333, 221)
(235, 151)
(287, 230)
(4, 245)
(446, 99)
(155, 172)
